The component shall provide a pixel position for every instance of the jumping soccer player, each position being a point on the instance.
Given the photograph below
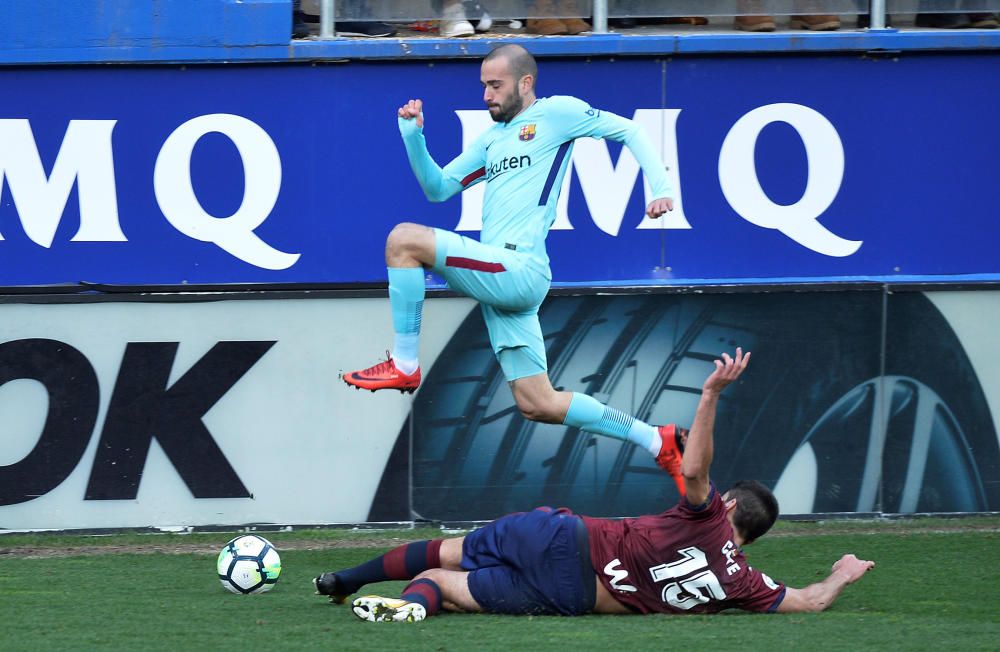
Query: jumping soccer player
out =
(687, 560)
(522, 159)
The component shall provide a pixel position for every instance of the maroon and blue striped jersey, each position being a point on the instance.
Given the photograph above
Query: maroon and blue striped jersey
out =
(682, 561)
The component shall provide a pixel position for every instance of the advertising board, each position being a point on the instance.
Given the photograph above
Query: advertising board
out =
(284, 174)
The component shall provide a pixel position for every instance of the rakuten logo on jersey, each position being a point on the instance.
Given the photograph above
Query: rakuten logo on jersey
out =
(607, 186)
(497, 168)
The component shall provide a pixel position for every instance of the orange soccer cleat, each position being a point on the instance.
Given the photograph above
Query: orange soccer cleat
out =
(672, 440)
(384, 375)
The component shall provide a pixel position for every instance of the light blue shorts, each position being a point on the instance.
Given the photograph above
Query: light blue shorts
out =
(510, 286)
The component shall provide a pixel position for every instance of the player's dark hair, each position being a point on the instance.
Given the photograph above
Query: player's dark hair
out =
(756, 509)
(520, 61)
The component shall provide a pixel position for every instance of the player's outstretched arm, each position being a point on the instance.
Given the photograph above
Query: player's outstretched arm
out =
(700, 446)
(817, 597)
(577, 119)
(648, 157)
(437, 185)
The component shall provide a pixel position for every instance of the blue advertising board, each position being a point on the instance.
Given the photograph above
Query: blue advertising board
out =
(806, 168)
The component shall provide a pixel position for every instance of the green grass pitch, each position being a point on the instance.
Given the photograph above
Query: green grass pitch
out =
(936, 586)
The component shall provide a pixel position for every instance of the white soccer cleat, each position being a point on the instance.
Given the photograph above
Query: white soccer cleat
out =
(454, 22)
(376, 609)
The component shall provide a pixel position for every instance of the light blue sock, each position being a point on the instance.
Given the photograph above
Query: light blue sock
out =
(587, 413)
(406, 297)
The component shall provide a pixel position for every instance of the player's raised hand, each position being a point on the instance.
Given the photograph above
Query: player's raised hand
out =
(413, 109)
(852, 568)
(727, 370)
(658, 207)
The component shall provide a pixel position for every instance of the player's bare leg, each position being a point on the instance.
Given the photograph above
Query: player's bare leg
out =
(538, 400)
(454, 585)
(408, 249)
(451, 553)
(410, 245)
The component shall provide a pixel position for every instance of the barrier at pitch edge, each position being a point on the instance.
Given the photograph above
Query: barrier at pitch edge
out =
(778, 175)
(172, 415)
(854, 402)
(132, 414)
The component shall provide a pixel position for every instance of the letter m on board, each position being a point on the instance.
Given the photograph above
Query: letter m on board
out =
(84, 159)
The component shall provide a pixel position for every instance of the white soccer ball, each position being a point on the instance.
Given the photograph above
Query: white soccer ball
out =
(249, 564)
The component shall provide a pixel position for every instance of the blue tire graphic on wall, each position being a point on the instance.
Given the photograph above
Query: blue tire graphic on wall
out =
(807, 419)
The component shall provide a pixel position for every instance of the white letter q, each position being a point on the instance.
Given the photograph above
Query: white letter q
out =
(262, 182)
(825, 157)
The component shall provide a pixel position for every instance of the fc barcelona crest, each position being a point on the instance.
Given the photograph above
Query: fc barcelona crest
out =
(527, 132)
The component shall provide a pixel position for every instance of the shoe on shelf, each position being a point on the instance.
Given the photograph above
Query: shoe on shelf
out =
(475, 12)
(383, 375)
(454, 22)
(983, 21)
(547, 26)
(943, 21)
(329, 584)
(372, 28)
(376, 609)
(815, 23)
(753, 18)
(673, 438)
(755, 23)
(574, 24)
(545, 23)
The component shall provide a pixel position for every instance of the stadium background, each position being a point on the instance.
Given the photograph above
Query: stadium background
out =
(192, 248)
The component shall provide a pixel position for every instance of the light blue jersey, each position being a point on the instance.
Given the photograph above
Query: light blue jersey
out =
(523, 163)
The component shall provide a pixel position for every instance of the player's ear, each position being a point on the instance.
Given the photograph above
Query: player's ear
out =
(730, 505)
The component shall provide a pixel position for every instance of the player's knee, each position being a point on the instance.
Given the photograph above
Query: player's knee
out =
(400, 237)
(404, 242)
(436, 575)
(536, 410)
(528, 412)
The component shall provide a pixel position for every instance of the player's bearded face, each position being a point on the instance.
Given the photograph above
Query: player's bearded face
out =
(504, 109)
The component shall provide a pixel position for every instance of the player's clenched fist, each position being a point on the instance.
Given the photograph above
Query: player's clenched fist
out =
(413, 109)
(658, 207)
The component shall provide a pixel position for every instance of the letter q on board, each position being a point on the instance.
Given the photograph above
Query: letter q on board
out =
(262, 182)
(825, 159)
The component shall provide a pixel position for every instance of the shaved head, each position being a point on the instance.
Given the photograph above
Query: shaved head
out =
(519, 61)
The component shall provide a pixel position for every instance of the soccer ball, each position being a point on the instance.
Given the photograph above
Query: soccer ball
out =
(249, 564)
